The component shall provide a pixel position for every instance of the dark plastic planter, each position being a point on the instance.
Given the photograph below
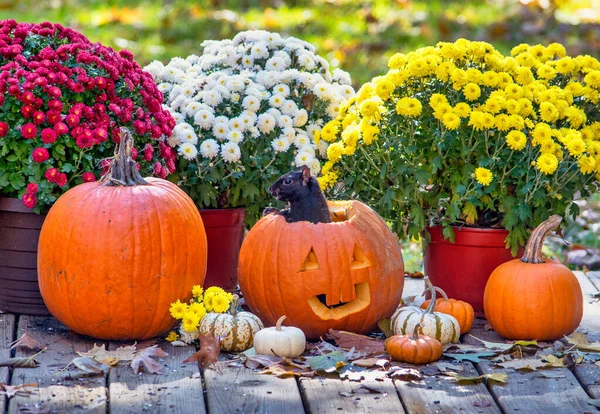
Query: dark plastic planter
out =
(19, 234)
(224, 236)
(463, 268)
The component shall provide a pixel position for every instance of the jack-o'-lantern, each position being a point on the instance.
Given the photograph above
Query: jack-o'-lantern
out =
(345, 275)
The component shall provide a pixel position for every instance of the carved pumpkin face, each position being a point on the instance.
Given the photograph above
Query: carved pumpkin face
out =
(345, 275)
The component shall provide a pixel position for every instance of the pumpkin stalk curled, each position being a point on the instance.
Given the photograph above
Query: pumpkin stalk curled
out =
(433, 295)
(416, 332)
(123, 171)
(533, 249)
(279, 322)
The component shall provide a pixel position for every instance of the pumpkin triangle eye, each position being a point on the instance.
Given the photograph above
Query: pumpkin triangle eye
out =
(359, 259)
(310, 263)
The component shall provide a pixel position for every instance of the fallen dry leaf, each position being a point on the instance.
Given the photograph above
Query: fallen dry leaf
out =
(282, 371)
(554, 361)
(369, 362)
(385, 325)
(90, 366)
(583, 343)
(256, 361)
(27, 341)
(487, 327)
(525, 364)
(348, 340)
(123, 353)
(20, 363)
(208, 353)
(12, 390)
(144, 357)
(496, 376)
(404, 374)
(366, 375)
(503, 346)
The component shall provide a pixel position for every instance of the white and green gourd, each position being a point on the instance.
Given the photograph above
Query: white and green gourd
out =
(236, 329)
(443, 327)
(282, 341)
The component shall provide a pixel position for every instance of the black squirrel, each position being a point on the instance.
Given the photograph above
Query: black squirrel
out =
(305, 199)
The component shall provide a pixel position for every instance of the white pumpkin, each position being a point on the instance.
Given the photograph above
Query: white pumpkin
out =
(236, 329)
(443, 327)
(283, 341)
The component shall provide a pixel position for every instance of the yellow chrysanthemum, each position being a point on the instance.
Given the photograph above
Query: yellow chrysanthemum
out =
(462, 109)
(587, 164)
(575, 146)
(383, 89)
(418, 67)
(548, 112)
(565, 65)
(512, 106)
(335, 151)
(547, 163)
(526, 106)
(172, 336)
(178, 309)
(494, 105)
(220, 304)
(438, 99)
(516, 122)
(576, 116)
(442, 71)
(538, 52)
(556, 50)
(547, 146)
(459, 78)
(476, 120)
(197, 291)
(513, 91)
(471, 91)
(442, 110)
(190, 322)
(546, 72)
(524, 75)
(516, 140)
(198, 308)
(397, 61)
(593, 79)
(450, 50)
(541, 132)
(370, 133)
(483, 176)
(502, 122)
(591, 95)
(351, 134)
(489, 78)
(488, 120)
(451, 121)
(369, 108)
(329, 131)
(409, 107)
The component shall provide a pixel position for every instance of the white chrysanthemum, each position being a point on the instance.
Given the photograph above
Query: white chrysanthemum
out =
(171, 74)
(188, 137)
(322, 148)
(333, 110)
(192, 108)
(204, 119)
(323, 90)
(248, 61)
(188, 151)
(155, 68)
(276, 100)
(188, 90)
(180, 102)
(187, 337)
(281, 89)
(235, 135)
(231, 152)
(280, 144)
(248, 119)
(220, 131)
(235, 97)
(285, 121)
(235, 84)
(308, 148)
(284, 56)
(255, 92)
(181, 128)
(266, 122)
(267, 78)
(165, 87)
(311, 129)
(173, 141)
(289, 134)
(346, 91)
(209, 148)
(341, 76)
(235, 123)
(289, 108)
(303, 158)
(251, 103)
(306, 61)
(259, 50)
(178, 117)
(254, 132)
(315, 167)
(301, 118)
(212, 98)
(301, 141)
(180, 63)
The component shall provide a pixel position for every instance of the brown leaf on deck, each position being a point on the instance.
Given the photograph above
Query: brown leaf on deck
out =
(525, 364)
(20, 363)
(208, 353)
(583, 343)
(27, 341)
(123, 353)
(12, 390)
(349, 340)
(90, 366)
(144, 357)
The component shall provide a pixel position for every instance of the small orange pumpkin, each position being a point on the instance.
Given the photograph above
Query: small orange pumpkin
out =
(462, 311)
(534, 298)
(114, 254)
(415, 348)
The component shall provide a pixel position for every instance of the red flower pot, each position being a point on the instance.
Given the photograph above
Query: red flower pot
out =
(224, 235)
(462, 268)
(19, 234)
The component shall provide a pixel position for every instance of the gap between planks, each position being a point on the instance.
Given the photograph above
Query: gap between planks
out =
(7, 335)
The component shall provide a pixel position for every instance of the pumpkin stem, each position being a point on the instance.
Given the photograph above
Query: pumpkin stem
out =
(533, 249)
(233, 306)
(416, 332)
(431, 289)
(279, 322)
(428, 285)
(123, 170)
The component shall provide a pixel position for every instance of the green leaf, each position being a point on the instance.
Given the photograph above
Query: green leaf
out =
(250, 191)
(12, 158)
(328, 362)
(470, 212)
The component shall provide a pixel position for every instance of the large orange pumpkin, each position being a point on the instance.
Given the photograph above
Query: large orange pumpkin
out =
(345, 275)
(534, 297)
(114, 254)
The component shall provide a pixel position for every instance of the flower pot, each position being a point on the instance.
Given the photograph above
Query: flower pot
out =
(462, 268)
(19, 234)
(224, 236)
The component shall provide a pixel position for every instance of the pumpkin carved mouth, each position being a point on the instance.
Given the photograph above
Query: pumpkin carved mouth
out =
(340, 310)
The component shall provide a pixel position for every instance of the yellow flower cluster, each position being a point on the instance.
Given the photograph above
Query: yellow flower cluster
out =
(214, 299)
(537, 100)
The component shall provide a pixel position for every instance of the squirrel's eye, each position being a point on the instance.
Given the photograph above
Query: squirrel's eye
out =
(287, 181)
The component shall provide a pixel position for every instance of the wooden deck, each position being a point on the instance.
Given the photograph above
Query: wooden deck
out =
(184, 388)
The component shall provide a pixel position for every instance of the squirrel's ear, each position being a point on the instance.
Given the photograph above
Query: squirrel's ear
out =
(305, 175)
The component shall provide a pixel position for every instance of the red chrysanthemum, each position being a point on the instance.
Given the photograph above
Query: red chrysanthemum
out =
(29, 131)
(40, 154)
(3, 129)
(29, 200)
(48, 135)
(32, 188)
(51, 174)
(88, 177)
(61, 180)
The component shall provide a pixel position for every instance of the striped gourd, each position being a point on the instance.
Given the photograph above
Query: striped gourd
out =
(236, 329)
(443, 327)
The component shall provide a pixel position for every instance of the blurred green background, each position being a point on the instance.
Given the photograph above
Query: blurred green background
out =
(355, 35)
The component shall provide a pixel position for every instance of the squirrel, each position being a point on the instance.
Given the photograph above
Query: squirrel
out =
(305, 199)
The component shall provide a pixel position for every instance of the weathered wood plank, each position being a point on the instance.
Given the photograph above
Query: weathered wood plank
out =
(435, 395)
(594, 276)
(589, 376)
(531, 392)
(7, 335)
(178, 390)
(325, 395)
(58, 391)
(240, 390)
(412, 286)
(590, 325)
